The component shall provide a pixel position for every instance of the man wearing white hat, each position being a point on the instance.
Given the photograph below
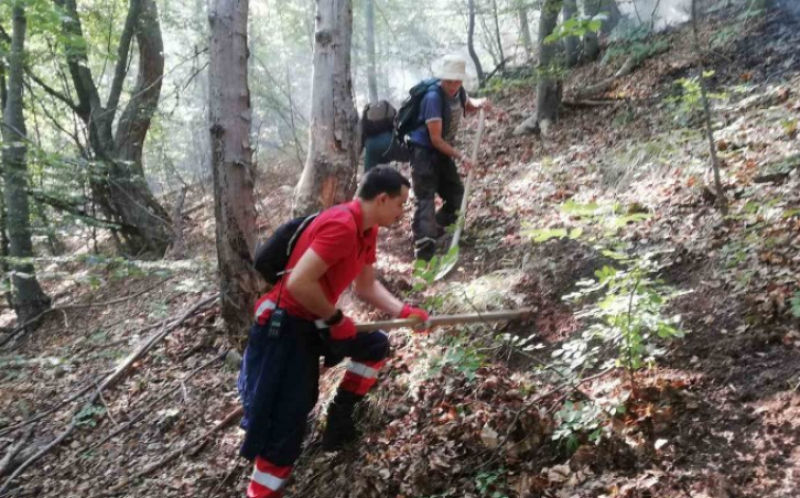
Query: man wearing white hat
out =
(433, 155)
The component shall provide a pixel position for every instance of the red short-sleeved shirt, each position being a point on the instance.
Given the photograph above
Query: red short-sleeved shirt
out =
(337, 235)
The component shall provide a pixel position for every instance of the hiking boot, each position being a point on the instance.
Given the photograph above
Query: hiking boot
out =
(341, 428)
(424, 249)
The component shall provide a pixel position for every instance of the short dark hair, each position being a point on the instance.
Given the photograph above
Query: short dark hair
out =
(380, 180)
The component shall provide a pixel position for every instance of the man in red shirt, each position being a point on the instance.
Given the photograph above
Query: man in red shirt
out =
(297, 322)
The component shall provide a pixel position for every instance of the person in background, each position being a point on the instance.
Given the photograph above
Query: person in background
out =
(433, 154)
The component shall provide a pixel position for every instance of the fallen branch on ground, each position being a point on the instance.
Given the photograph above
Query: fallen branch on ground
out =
(633, 62)
(110, 381)
(13, 451)
(148, 409)
(24, 327)
(153, 340)
(226, 422)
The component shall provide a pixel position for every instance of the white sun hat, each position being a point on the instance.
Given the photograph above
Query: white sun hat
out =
(452, 67)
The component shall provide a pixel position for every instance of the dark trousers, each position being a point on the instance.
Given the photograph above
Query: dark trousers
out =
(433, 173)
(279, 383)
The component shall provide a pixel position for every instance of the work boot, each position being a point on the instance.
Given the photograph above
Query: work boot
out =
(424, 249)
(341, 428)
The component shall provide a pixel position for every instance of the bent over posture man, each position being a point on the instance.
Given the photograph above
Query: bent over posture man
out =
(433, 155)
(297, 322)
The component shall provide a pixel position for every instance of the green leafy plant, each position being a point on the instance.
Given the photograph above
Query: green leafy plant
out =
(724, 36)
(86, 416)
(491, 483)
(576, 26)
(461, 353)
(609, 217)
(639, 50)
(584, 417)
(425, 273)
(628, 316)
(795, 302)
(687, 106)
(544, 234)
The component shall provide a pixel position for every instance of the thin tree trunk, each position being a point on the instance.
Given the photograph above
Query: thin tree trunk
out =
(329, 174)
(30, 301)
(120, 187)
(722, 202)
(372, 77)
(548, 89)
(230, 118)
(591, 8)
(471, 42)
(56, 245)
(499, 38)
(614, 15)
(525, 30)
(591, 42)
(571, 42)
(3, 87)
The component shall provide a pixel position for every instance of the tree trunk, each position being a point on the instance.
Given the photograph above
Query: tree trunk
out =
(120, 188)
(372, 74)
(329, 174)
(722, 201)
(525, 30)
(57, 247)
(548, 89)
(471, 42)
(232, 160)
(499, 38)
(3, 87)
(611, 8)
(30, 301)
(571, 42)
(591, 8)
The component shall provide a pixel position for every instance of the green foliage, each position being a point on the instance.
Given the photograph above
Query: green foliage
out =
(585, 417)
(460, 353)
(492, 483)
(724, 36)
(640, 50)
(608, 218)
(795, 302)
(688, 105)
(545, 234)
(498, 85)
(627, 316)
(426, 273)
(576, 26)
(87, 415)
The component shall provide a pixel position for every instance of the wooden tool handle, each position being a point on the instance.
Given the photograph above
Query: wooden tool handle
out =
(462, 214)
(434, 321)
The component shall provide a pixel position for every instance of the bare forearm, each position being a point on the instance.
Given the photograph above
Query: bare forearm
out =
(379, 296)
(446, 149)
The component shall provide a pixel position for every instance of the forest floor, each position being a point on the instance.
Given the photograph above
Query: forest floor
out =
(488, 410)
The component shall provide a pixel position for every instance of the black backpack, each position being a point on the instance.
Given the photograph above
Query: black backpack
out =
(273, 255)
(376, 118)
(407, 119)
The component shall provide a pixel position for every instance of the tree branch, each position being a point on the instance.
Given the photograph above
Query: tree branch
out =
(121, 69)
(52, 91)
(78, 62)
